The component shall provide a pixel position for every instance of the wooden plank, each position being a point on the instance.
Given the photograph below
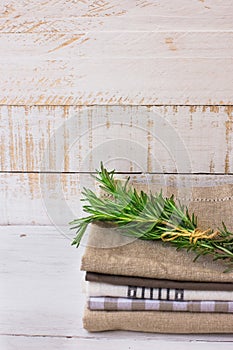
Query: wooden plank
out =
(40, 199)
(146, 139)
(116, 45)
(134, 69)
(136, 82)
(107, 340)
(182, 55)
(54, 199)
(74, 16)
(41, 301)
(48, 299)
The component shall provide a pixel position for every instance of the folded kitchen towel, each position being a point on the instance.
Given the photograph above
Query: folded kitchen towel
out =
(211, 200)
(123, 304)
(158, 321)
(156, 283)
(109, 252)
(103, 289)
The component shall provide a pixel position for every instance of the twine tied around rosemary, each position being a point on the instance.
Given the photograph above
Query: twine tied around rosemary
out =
(194, 235)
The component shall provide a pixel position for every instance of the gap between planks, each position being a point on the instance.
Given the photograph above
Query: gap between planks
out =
(116, 172)
(117, 105)
(170, 337)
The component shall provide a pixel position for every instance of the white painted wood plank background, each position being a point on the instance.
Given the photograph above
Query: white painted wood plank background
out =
(54, 199)
(122, 15)
(41, 302)
(123, 81)
(46, 64)
(178, 139)
(61, 343)
(116, 45)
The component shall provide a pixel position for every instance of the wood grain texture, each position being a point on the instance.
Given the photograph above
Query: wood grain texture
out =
(138, 69)
(116, 52)
(125, 81)
(74, 16)
(49, 199)
(147, 139)
(116, 45)
(96, 343)
(51, 302)
(54, 199)
(42, 304)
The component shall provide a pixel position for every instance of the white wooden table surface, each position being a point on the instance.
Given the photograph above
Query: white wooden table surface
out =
(41, 302)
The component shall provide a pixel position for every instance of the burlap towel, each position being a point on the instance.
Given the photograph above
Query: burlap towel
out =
(146, 259)
(158, 321)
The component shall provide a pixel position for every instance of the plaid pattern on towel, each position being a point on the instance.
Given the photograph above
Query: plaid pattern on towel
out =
(125, 304)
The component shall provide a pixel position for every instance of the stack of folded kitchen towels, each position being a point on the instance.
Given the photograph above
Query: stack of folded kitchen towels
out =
(151, 287)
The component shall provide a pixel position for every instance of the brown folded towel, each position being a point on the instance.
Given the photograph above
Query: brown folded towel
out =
(158, 321)
(147, 259)
(156, 283)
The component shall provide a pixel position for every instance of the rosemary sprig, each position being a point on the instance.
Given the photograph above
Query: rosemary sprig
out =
(151, 217)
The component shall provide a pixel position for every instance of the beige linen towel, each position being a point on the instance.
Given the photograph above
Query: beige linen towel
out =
(212, 204)
(158, 321)
(146, 259)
